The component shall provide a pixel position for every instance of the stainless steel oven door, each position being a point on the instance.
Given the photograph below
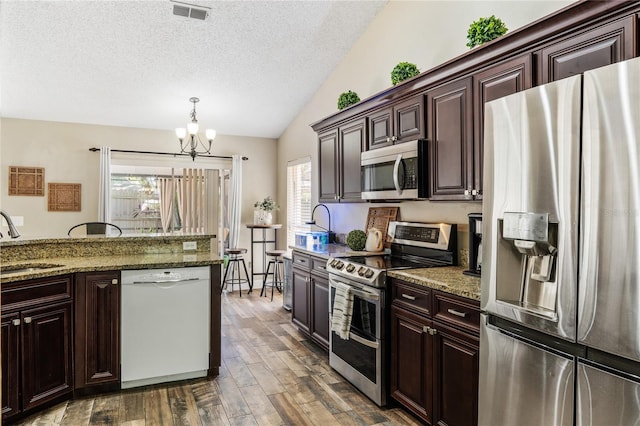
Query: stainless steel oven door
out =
(361, 357)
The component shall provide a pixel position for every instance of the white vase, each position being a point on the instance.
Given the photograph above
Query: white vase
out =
(262, 217)
(268, 218)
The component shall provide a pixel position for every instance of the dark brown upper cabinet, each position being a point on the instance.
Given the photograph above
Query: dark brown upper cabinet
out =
(339, 161)
(450, 124)
(401, 122)
(496, 81)
(328, 166)
(600, 46)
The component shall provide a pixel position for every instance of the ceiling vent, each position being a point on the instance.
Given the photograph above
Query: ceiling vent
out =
(190, 11)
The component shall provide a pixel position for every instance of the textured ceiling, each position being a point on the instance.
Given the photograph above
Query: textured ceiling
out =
(253, 64)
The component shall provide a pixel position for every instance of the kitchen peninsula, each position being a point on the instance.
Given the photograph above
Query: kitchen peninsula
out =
(62, 305)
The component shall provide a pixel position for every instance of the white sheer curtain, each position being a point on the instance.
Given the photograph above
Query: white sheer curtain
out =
(191, 198)
(235, 201)
(104, 185)
(167, 195)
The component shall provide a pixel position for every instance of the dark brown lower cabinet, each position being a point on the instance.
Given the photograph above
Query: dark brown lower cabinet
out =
(455, 367)
(36, 344)
(411, 360)
(310, 310)
(301, 295)
(10, 365)
(320, 300)
(434, 362)
(97, 331)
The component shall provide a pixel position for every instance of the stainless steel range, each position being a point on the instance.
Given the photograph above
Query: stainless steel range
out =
(362, 358)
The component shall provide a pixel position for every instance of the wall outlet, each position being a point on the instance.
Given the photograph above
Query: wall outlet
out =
(189, 245)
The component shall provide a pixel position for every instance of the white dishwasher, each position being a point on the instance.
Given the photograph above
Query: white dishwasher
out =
(165, 325)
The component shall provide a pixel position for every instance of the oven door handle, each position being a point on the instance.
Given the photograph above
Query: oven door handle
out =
(363, 294)
(367, 297)
(358, 339)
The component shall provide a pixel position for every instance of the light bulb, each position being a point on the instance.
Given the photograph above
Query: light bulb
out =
(181, 132)
(192, 127)
(211, 134)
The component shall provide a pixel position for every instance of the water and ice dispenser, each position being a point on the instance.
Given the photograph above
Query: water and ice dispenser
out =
(528, 249)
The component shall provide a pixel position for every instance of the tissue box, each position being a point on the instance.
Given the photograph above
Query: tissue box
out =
(312, 240)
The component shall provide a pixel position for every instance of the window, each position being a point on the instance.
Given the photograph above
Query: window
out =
(135, 203)
(298, 197)
(164, 200)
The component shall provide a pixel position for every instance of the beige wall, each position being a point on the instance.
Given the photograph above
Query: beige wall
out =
(63, 150)
(426, 33)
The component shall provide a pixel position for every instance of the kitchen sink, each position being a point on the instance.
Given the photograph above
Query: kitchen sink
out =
(26, 267)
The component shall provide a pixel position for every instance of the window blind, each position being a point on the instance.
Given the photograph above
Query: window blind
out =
(298, 196)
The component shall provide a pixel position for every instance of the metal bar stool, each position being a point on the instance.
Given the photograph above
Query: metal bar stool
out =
(277, 275)
(235, 258)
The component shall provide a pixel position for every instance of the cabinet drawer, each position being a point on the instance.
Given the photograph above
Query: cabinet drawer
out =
(412, 297)
(319, 265)
(301, 260)
(32, 292)
(457, 311)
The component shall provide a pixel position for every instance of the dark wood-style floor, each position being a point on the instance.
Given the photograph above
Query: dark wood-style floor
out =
(270, 375)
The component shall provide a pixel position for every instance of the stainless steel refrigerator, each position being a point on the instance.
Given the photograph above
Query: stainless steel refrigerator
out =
(560, 332)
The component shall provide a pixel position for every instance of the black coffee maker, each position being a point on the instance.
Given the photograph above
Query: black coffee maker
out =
(475, 245)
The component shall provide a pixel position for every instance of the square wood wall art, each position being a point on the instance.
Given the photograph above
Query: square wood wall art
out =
(26, 181)
(64, 197)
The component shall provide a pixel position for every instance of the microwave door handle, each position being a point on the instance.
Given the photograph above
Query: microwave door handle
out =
(396, 169)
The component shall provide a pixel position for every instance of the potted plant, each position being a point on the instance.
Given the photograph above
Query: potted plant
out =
(262, 214)
(403, 71)
(485, 29)
(347, 98)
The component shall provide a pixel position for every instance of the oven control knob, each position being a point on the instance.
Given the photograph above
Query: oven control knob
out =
(340, 264)
(333, 263)
(350, 268)
(361, 270)
(368, 273)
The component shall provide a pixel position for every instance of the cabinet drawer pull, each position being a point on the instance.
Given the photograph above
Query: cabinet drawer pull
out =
(27, 320)
(457, 313)
(16, 322)
(114, 281)
(431, 331)
(407, 296)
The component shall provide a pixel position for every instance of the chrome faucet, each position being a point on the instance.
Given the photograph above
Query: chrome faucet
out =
(13, 232)
(332, 235)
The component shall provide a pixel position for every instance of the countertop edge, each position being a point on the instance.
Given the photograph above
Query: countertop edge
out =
(109, 263)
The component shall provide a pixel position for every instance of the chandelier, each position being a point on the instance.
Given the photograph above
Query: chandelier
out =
(190, 142)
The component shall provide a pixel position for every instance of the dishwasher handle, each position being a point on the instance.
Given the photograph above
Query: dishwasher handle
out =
(176, 280)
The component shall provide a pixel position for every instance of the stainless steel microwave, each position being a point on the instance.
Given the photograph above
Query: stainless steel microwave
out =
(397, 172)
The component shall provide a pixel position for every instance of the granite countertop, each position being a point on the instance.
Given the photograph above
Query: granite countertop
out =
(69, 265)
(449, 279)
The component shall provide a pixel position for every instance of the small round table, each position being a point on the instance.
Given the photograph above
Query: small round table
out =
(264, 241)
